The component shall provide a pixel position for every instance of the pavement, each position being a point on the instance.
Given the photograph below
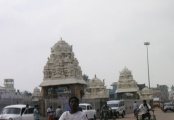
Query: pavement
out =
(160, 115)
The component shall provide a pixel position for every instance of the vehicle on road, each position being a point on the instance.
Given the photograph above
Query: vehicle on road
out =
(88, 110)
(168, 106)
(152, 115)
(118, 107)
(156, 102)
(107, 114)
(17, 112)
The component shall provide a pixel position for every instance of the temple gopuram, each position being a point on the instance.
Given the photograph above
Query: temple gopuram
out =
(96, 89)
(62, 73)
(126, 86)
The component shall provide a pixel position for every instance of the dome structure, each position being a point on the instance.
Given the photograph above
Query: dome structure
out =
(95, 82)
(36, 94)
(96, 89)
(61, 47)
(125, 74)
(146, 93)
(125, 71)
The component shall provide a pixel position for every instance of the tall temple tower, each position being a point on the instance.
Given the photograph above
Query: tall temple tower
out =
(62, 73)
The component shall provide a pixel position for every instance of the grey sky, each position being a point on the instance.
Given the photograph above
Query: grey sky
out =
(106, 35)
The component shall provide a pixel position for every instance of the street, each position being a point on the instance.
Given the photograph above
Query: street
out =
(160, 115)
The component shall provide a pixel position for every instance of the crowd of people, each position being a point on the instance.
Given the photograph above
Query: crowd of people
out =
(75, 112)
(54, 115)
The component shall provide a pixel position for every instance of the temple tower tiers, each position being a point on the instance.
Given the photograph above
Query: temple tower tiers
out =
(62, 68)
(127, 87)
(126, 83)
(96, 89)
(62, 63)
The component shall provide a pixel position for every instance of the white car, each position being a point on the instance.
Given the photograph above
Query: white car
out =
(17, 112)
(117, 107)
(88, 110)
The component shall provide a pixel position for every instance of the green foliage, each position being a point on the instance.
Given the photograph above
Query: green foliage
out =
(27, 93)
(85, 77)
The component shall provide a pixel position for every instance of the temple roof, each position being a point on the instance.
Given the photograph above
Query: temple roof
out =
(61, 46)
(95, 82)
(36, 90)
(125, 71)
(62, 82)
(146, 90)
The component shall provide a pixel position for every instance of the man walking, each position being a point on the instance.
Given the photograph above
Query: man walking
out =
(50, 113)
(36, 113)
(59, 112)
(135, 108)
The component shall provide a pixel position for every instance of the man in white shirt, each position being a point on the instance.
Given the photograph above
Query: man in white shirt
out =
(74, 113)
(59, 112)
(50, 113)
(145, 108)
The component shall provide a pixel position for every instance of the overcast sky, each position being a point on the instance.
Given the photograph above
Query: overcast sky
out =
(106, 35)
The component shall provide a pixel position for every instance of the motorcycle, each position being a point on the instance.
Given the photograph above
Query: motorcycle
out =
(104, 115)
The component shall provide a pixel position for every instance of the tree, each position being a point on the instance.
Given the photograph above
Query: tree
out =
(26, 93)
(85, 77)
(172, 88)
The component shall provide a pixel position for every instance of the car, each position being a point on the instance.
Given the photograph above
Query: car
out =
(17, 112)
(168, 106)
(88, 110)
(117, 106)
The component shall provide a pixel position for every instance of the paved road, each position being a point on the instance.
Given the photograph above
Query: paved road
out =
(160, 115)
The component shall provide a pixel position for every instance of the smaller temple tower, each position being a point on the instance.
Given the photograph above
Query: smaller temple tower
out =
(36, 94)
(127, 87)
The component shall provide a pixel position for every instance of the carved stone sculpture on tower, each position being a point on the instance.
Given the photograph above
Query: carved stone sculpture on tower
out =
(62, 56)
